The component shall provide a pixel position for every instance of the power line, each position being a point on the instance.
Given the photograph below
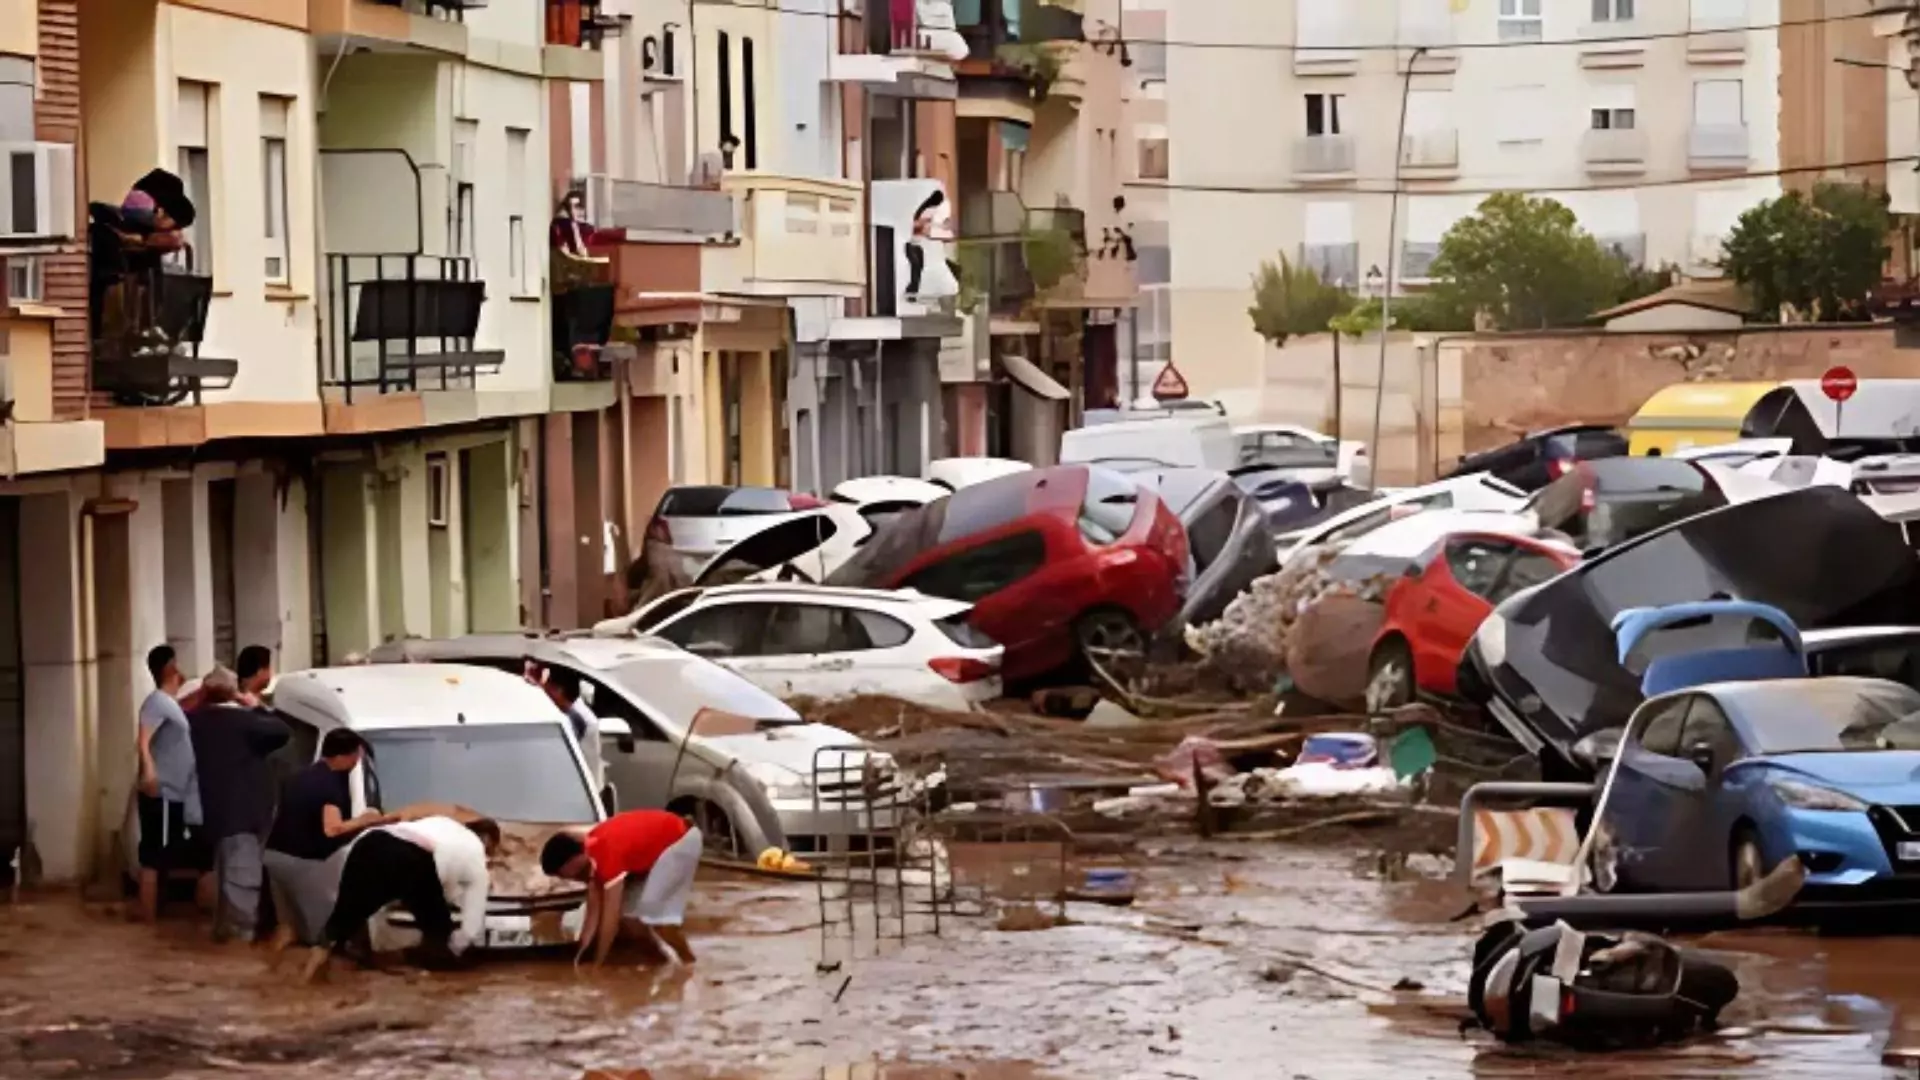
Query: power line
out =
(1336, 188)
(1117, 40)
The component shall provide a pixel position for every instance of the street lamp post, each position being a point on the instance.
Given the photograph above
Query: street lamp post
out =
(1393, 244)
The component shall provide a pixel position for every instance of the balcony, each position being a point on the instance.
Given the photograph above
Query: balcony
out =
(911, 276)
(992, 253)
(399, 307)
(584, 293)
(1431, 155)
(914, 60)
(1718, 147)
(663, 211)
(1416, 260)
(1614, 151)
(575, 31)
(1613, 44)
(411, 25)
(1717, 39)
(798, 236)
(1337, 264)
(1325, 60)
(1629, 246)
(147, 327)
(1323, 157)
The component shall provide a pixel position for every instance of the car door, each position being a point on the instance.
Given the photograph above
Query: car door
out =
(1649, 787)
(640, 766)
(1458, 592)
(976, 575)
(1701, 823)
(829, 651)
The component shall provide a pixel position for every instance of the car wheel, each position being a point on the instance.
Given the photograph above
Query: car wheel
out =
(716, 828)
(1748, 864)
(1109, 638)
(1390, 677)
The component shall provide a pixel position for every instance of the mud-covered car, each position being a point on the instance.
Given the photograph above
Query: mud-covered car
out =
(1544, 663)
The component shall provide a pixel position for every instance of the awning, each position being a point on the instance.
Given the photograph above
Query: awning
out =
(1031, 379)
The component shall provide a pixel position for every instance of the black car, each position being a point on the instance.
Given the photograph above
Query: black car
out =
(1533, 462)
(1545, 663)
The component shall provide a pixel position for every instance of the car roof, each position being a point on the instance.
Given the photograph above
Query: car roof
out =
(932, 607)
(1741, 692)
(376, 697)
(868, 489)
(1846, 635)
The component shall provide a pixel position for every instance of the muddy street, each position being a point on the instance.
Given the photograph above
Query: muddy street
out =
(1234, 960)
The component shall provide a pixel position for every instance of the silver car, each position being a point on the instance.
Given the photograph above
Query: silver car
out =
(691, 736)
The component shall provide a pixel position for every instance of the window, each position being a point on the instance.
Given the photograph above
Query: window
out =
(1520, 20)
(724, 45)
(1323, 113)
(1612, 11)
(1523, 113)
(17, 81)
(1661, 734)
(195, 165)
(1719, 102)
(1151, 141)
(719, 631)
(26, 280)
(439, 492)
(1108, 507)
(1527, 570)
(883, 631)
(1207, 535)
(274, 113)
(1613, 120)
(979, 572)
(1707, 726)
(747, 103)
(517, 253)
(805, 629)
(519, 191)
(1322, 23)
(1477, 564)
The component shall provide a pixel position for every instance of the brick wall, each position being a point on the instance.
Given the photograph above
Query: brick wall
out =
(57, 119)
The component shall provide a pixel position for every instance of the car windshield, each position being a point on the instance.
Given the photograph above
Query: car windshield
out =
(1828, 715)
(509, 772)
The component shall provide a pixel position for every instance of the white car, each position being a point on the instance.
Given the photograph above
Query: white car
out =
(955, 473)
(694, 523)
(1313, 459)
(818, 642)
(1476, 491)
(880, 499)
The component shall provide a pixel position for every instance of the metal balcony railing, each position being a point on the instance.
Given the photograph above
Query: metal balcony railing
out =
(393, 318)
(1614, 146)
(1717, 146)
(1323, 155)
(147, 322)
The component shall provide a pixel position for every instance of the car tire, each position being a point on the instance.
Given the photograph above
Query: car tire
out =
(716, 827)
(1390, 676)
(1747, 864)
(1104, 634)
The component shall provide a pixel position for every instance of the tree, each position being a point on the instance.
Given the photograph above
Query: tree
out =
(1526, 264)
(1816, 258)
(1290, 300)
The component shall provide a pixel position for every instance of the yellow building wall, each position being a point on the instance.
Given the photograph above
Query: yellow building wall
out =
(20, 27)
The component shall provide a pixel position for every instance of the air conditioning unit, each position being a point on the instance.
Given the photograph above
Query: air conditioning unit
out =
(36, 191)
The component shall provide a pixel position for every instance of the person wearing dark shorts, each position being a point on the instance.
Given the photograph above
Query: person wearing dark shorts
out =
(386, 867)
(168, 795)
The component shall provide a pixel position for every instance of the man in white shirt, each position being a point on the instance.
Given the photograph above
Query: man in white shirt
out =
(432, 866)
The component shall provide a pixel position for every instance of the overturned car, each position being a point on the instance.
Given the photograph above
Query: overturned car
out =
(1544, 662)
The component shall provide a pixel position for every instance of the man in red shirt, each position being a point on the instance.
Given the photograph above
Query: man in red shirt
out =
(638, 867)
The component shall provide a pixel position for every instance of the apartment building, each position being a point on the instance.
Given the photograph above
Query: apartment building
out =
(1572, 98)
(1142, 232)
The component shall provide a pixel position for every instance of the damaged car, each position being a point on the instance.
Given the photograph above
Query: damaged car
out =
(1544, 662)
(1227, 535)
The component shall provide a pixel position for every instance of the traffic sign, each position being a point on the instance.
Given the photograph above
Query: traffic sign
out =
(1839, 383)
(1169, 385)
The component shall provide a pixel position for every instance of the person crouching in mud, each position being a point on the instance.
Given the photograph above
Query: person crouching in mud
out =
(429, 865)
(639, 868)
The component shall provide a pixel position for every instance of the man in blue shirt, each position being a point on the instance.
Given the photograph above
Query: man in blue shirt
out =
(169, 792)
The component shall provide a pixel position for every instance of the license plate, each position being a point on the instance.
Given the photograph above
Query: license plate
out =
(1910, 851)
(509, 939)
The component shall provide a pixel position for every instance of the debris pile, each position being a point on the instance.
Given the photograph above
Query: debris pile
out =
(1306, 622)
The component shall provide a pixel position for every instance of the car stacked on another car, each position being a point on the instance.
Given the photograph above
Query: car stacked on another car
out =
(694, 523)
(1058, 563)
(1534, 461)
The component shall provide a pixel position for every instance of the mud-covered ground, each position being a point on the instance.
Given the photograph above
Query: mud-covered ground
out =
(1237, 961)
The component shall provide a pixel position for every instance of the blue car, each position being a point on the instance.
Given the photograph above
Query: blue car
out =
(1739, 760)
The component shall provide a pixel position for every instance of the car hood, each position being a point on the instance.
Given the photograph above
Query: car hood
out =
(1881, 776)
(1827, 560)
(793, 747)
(814, 544)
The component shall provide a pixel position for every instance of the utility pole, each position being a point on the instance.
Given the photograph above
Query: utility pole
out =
(1393, 246)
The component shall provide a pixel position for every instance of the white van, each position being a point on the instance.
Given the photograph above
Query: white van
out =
(477, 738)
(1200, 441)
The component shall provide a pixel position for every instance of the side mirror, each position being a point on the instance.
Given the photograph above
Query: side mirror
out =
(1701, 754)
(1596, 750)
(614, 727)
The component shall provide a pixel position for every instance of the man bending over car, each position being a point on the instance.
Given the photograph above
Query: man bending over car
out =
(639, 868)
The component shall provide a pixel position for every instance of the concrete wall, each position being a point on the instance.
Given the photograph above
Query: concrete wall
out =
(20, 27)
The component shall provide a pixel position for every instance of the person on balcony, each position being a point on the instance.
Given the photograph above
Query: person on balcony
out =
(572, 234)
(127, 243)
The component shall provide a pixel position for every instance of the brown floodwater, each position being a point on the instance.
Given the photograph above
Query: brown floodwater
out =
(1235, 961)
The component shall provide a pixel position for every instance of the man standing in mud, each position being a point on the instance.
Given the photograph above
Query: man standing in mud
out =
(168, 794)
(639, 868)
(315, 822)
(232, 741)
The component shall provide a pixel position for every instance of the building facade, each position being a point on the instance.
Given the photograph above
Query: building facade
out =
(1569, 98)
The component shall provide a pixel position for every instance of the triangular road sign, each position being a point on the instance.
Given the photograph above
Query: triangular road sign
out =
(1170, 385)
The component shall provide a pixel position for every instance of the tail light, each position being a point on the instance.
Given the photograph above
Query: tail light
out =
(1560, 467)
(657, 530)
(800, 500)
(963, 669)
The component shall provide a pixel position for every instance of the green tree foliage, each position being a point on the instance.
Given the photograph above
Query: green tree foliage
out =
(1052, 255)
(1817, 257)
(1525, 263)
(1290, 300)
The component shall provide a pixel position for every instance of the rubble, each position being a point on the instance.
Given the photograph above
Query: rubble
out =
(1277, 628)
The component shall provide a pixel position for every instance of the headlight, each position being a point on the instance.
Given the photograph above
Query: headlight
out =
(1492, 639)
(1808, 797)
(782, 784)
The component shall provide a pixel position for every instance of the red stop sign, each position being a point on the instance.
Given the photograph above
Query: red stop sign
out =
(1839, 383)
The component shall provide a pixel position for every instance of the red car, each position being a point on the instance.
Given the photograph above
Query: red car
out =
(1053, 560)
(1434, 610)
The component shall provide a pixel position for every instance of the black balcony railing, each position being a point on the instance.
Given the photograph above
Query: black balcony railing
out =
(147, 321)
(429, 7)
(582, 326)
(403, 322)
